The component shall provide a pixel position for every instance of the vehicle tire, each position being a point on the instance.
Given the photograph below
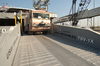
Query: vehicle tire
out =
(26, 32)
(30, 33)
(45, 32)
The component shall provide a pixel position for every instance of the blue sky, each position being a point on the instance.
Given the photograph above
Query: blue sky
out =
(61, 7)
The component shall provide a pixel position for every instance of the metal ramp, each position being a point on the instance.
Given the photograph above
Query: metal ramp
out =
(53, 50)
(32, 53)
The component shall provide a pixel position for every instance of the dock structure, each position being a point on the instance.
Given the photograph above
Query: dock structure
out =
(65, 46)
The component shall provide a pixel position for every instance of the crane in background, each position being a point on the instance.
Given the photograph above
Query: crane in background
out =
(81, 9)
(40, 4)
(73, 15)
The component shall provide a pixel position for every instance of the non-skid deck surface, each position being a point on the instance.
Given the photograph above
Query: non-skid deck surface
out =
(50, 50)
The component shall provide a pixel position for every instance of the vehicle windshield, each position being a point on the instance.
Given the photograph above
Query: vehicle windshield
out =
(40, 16)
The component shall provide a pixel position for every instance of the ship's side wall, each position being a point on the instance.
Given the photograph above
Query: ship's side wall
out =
(82, 35)
(8, 45)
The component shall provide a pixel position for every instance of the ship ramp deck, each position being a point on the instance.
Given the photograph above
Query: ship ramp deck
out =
(54, 50)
